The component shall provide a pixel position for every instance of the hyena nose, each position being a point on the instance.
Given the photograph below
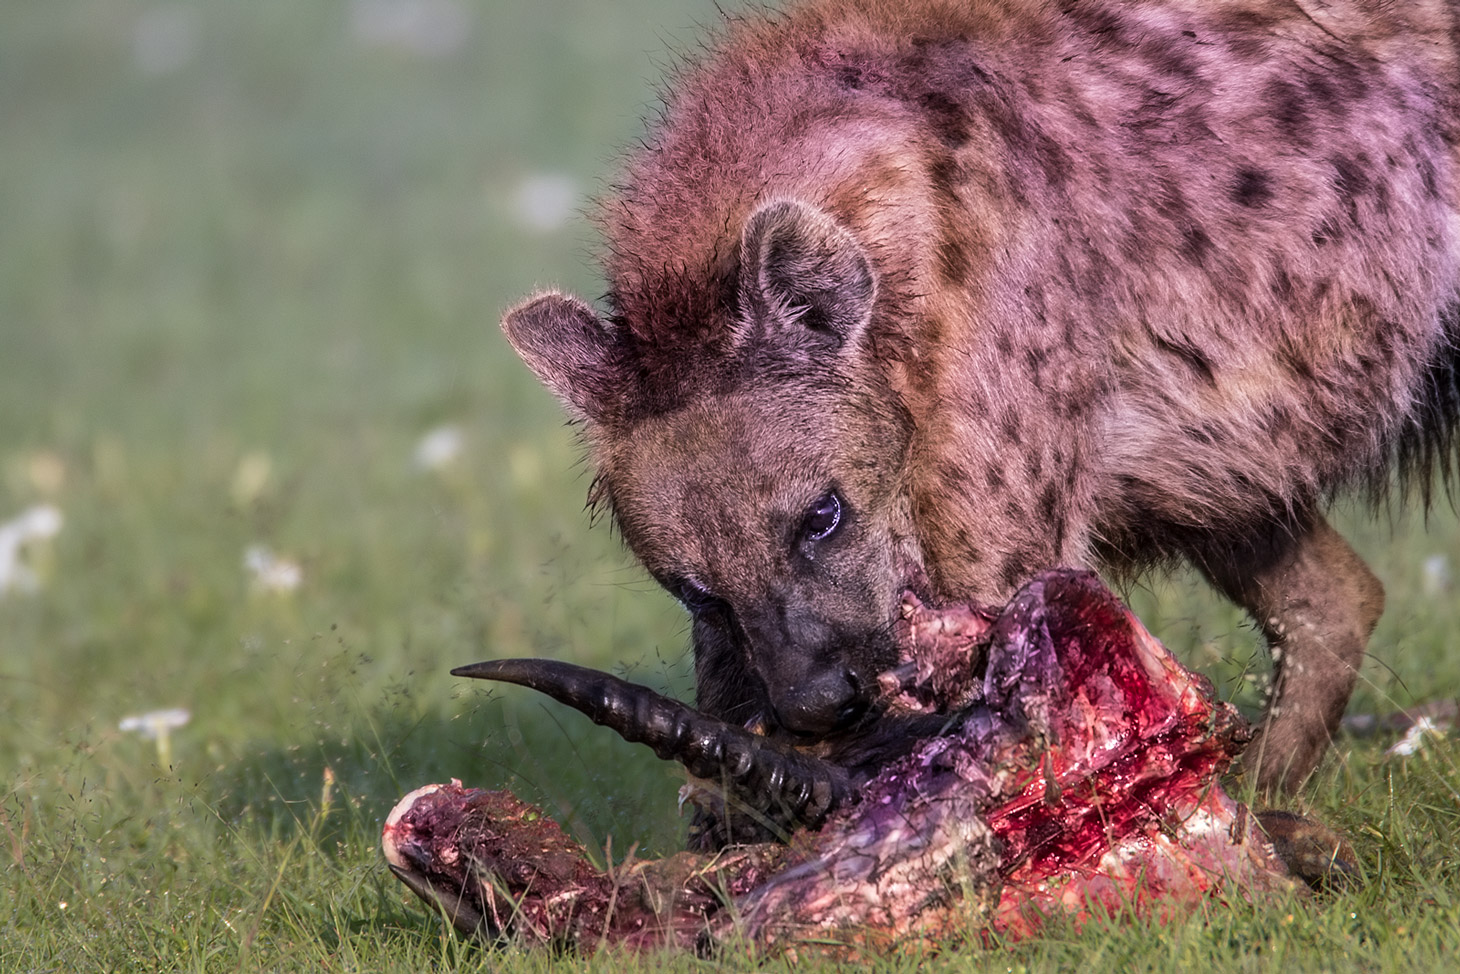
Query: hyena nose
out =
(820, 703)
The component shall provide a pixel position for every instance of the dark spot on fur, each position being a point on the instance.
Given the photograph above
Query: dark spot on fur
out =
(1248, 47)
(1288, 110)
(1189, 354)
(946, 117)
(1009, 427)
(1385, 342)
(1069, 335)
(1244, 21)
(1029, 143)
(1015, 566)
(1173, 61)
(1048, 501)
(1169, 57)
(1034, 464)
(946, 176)
(1326, 232)
(969, 552)
(1197, 434)
(1035, 358)
(1156, 109)
(955, 266)
(1382, 196)
(1048, 155)
(1253, 187)
(1322, 92)
(1195, 243)
(1428, 177)
(1004, 343)
(1348, 76)
(1171, 203)
(1282, 284)
(1350, 181)
(1295, 362)
(1280, 420)
(1097, 20)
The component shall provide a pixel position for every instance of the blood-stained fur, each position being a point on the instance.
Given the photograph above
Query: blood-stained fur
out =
(957, 290)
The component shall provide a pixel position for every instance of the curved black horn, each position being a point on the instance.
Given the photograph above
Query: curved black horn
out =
(759, 772)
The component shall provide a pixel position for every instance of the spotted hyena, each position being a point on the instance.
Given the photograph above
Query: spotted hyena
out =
(946, 292)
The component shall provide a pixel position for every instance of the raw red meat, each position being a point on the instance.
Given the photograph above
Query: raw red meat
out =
(1051, 757)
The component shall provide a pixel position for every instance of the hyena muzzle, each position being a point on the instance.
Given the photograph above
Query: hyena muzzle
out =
(941, 293)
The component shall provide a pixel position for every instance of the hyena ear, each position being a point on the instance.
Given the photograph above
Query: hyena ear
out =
(569, 350)
(799, 267)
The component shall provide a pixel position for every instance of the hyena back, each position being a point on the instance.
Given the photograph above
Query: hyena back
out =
(940, 293)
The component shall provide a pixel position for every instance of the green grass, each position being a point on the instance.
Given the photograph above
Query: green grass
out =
(290, 250)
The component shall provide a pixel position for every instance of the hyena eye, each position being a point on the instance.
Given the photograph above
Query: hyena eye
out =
(822, 518)
(692, 595)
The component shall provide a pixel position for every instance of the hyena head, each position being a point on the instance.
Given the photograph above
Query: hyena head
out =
(756, 468)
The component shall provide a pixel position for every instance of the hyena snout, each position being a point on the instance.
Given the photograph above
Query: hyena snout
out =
(815, 681)
(822, 700)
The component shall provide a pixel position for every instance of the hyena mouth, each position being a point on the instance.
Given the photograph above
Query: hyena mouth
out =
(1051, 757)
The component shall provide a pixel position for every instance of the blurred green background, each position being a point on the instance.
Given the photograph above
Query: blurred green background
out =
(251, 254)
(252, 258)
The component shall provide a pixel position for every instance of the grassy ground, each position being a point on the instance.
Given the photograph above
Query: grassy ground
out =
(250, 255)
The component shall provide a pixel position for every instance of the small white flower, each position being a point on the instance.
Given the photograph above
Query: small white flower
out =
(157, 725)
(41, 521)
(1414, 738)
(38, 523)
(272, 573)
(439, 448)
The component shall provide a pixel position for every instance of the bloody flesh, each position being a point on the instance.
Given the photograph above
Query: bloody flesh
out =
(1075, 770)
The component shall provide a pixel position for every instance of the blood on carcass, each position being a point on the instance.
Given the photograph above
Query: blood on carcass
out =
(1073, 769)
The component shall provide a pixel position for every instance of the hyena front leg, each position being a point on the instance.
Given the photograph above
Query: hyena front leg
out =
(1317, 604)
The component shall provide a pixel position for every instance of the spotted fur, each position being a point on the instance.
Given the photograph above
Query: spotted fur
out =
(1084, 282)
